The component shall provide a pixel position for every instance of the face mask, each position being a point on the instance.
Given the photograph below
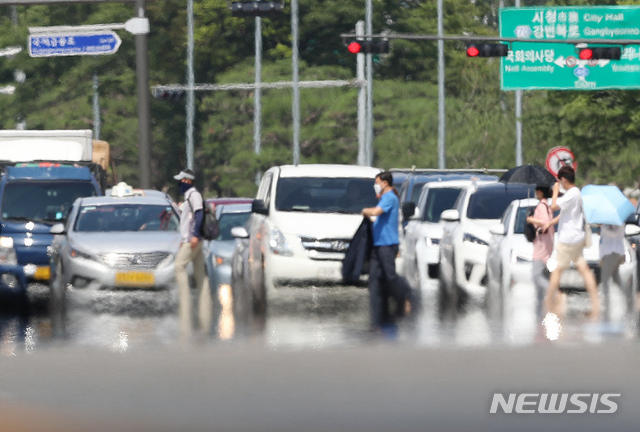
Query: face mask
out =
(377, 188)
(184, 187)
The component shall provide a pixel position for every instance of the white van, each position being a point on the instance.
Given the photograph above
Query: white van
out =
(303, 219)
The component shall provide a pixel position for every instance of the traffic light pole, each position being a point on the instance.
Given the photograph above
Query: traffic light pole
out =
(518, 119)
(362, 101)
(296, 87)
(441, 95)
(144, 118)
(257, 94)
(190, 82)
(369, 127)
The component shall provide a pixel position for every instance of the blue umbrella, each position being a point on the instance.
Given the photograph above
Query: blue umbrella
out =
(605, 205)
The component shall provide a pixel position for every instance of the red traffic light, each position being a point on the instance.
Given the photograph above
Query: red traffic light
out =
(600, 53)
(586, 54)
(472, 51)
(354, 47)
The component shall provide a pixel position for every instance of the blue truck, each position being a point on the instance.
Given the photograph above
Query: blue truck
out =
(33, 197)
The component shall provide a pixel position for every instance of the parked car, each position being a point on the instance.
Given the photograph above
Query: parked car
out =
(510, 255)
(218, 252)
(113, 244)
(421, 240)
(303, 219)
(466, 235)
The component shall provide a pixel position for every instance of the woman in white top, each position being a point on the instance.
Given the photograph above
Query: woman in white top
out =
(611, 256)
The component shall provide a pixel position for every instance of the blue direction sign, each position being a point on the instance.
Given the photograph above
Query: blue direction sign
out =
(71, 44)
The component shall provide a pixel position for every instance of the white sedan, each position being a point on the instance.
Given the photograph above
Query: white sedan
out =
(509, 258)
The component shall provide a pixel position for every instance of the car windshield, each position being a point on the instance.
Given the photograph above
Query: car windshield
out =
(126, 217)
(42, 201)
(521, 218)
(325, 195)
(490, 203)
(416, 191)
(230, 220)
(439, 200)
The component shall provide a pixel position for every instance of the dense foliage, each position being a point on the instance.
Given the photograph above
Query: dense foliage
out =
(602, 127)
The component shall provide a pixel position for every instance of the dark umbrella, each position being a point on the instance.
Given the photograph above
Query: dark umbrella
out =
(529, 174)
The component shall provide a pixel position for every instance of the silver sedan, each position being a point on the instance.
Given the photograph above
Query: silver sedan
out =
(114, 243)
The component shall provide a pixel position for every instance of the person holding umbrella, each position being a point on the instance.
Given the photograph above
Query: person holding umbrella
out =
(571, 241)
(611, 256)
(542, 244)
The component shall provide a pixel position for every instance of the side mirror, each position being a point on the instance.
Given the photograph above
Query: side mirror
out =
(498, 230)
(57, 229)
(634, 218)
(408, 209)
(257, 206)
(631, 230)
(450, 215)
(239, 232)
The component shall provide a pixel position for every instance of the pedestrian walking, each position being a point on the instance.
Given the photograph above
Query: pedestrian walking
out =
(611, 256)
(542, 245)
(191, 217)
(383, 279)
(571, 241)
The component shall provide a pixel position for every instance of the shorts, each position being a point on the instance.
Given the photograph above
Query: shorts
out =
(568, 253)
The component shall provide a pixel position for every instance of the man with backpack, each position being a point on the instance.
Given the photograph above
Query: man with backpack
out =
(542, 245)
(191, 219)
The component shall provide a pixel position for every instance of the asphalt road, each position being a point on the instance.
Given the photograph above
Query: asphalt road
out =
(314, 367)
(376, 387)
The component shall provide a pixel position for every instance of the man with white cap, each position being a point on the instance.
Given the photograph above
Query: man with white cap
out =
(191, 251)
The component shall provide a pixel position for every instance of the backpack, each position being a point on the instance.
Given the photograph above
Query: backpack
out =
(529, 228)
(210, 227)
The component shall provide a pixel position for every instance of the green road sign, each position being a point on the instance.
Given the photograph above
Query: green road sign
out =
(540, 65)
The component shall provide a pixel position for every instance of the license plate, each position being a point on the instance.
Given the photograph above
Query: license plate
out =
(135, 279)
(328, 272)
(42, 273)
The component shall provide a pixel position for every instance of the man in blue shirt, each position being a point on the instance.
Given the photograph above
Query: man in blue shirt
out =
(383, 279)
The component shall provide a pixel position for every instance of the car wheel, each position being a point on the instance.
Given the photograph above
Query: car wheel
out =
(260, 294)
(495, 294)
(58, 302)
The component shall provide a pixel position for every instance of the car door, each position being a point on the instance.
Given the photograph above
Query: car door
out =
(258, 232)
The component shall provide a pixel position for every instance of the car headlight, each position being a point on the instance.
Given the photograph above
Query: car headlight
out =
(7, 252)
(278, 243)
(75, 253)
(167, 261)
(220, 260)
(432, 242)
(518, 257)
(469, 238)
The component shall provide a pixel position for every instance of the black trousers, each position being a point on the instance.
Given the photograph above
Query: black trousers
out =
(385, 282)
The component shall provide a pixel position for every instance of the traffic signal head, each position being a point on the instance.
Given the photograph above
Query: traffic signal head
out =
(487, 50)
(597, 53)
(255, 8)
(169, 95)
(368, 46)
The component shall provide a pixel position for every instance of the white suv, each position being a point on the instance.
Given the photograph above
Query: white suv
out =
(303, 219)
(421, 241)
(465, 240)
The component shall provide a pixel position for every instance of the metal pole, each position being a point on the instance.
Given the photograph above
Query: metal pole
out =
(518, 120)
(257, 93)
(296, 89)
(142, 74)
(369, 129)
(362, 101)
(441, 97)
(191, 105)
(96, 107)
